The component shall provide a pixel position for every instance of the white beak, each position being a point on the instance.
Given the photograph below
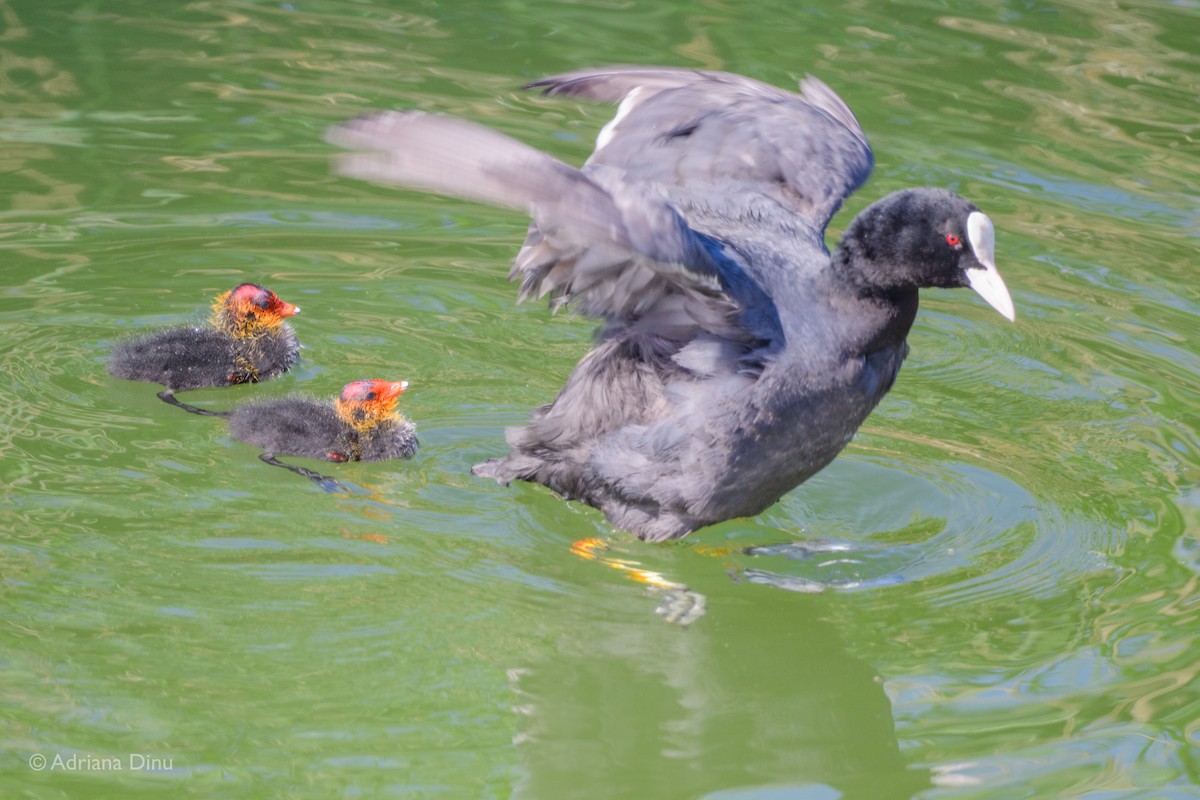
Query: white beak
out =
(987, 281)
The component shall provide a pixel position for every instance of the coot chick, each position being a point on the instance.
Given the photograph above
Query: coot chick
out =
(736, 355)
(362, 424)
(247, 340)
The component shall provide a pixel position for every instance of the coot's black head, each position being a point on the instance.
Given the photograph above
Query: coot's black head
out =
(919, 238)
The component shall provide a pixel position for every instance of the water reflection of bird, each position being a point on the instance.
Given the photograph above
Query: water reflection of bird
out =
(755, 707)
(736, 356)
(362, 424)
(247, 340)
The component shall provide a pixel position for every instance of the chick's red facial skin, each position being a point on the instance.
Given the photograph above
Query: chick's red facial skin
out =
(365, 403)
(250, 307)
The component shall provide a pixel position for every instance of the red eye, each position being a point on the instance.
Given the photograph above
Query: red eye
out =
(953, 240)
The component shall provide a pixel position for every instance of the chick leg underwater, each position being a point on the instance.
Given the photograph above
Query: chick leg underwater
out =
(168, 397)
(326, 482)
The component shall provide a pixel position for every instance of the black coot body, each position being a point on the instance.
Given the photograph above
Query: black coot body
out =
(736, 356)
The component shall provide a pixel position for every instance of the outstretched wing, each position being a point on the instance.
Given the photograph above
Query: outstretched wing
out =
(622, 253)
(705, 133)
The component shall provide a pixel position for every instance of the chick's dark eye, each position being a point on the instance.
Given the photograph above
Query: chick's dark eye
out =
(953, 240)
(263, 302)
(370, 396)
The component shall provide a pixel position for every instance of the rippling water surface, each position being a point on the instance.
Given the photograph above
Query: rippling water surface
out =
(1012, 537)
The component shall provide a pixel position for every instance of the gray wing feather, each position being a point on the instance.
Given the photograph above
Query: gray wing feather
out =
(715, 131)
(616, 250)
(612, 84)
(451, 156)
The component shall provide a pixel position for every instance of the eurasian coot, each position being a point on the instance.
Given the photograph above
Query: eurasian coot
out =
(246, 340)
(362, 424)
(736, 356)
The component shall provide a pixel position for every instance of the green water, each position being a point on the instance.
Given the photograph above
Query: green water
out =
(1021, 510)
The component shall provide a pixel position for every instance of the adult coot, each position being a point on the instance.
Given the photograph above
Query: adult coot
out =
(247, 340)
(362, 424)
(736, 356)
